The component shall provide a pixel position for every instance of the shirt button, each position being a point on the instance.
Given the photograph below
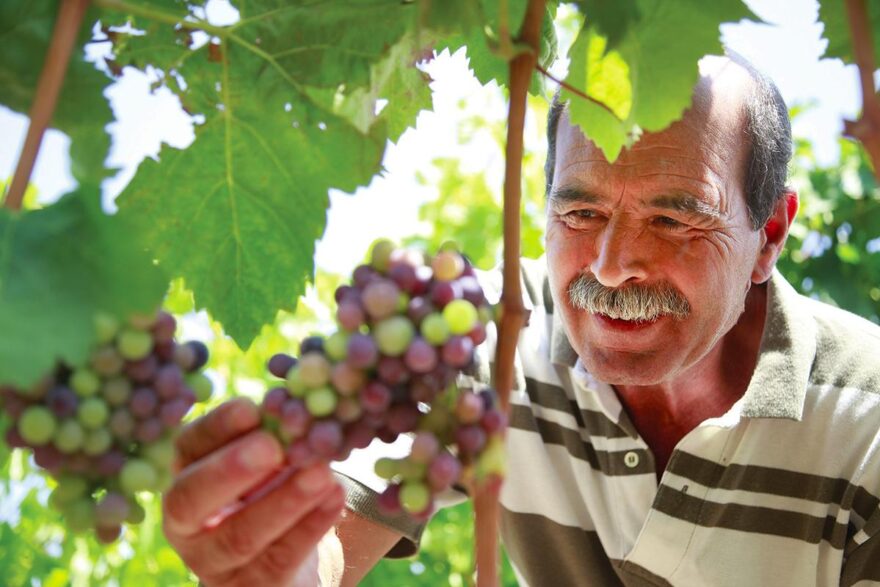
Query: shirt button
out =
(631, 459)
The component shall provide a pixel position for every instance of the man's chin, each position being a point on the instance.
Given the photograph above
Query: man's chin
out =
(627, 368)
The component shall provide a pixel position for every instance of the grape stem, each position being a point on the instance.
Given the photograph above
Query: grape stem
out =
(867, 128)
(514, 314)
(70, 16)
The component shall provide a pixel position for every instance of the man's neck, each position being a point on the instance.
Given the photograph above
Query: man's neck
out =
(663, 414)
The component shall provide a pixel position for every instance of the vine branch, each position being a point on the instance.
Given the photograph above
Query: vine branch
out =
(576, 91)
(514, 314)
(867, 128)
(70, 16)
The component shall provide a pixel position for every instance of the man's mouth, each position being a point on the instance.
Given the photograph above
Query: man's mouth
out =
(620, 324)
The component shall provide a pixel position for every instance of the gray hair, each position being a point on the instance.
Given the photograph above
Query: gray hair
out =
(768, 129)
(631, 302)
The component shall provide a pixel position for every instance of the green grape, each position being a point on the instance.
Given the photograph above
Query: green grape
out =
(134, 345)
(411, 470)
(106, 327)
(403, 302)
(393, 335)
(136, 513)
(321, 402)
(295, 384)
(37, 425)
(116, 391)
(138, 475)
(461, 316)
(70, 488)
(414, 497)
(386, 467)
(380, 254)
(85, 383)
(314, 369)
(93, 413)
(336, 345)
(486, 314)
(79, 515)
(447, 266)
(69, 437)
(492, 460)
(97, 442)
(160, 453)
(201, 385)
(435, 329)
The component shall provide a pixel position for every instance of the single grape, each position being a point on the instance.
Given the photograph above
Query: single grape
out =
(149, 430)
(121, 424)
(92, 412)
(136, 514)
(110, 463)
(363, 275)
(359, 434)
(37, 425)
(393, 335)
(116, 391)
(108, 534)
(375, 398)
(443, 471)
(164, 327)
(137, 475)
(314, 369)
(143, 402)
(493, 421)
(424, 447)
(414, 496)
(469, 408)
(344, 291)
(435, 329)
(392, 370)
(389, 501)
(347, 379)
(142, 370)
(420, 357)
(380, 255)
(201, 354)
(461, 316)
(321, 401)
(472, 291)
(280, 364)
(134, 345)
(62, 401)
(70, 488)
(411, 470)
(444, 292)
(419, 309)
(478, 334)
(295, 419)
(79, 515)
(336, 345)
(458, 351)
(85, 383)
(350, 315)
(97, 442)
(386, 467)
(164, 351)
(69, 436)
(348, 409)
(112, 509)
(362, 351)
(447, 265)
(403, 418)
(470, 439)
(294, 382)
(160, 453)
(201, 386)
(168, 381)
(403, 275)
(172, 413)
(107, 362)
(48, 457)
(311, 344)
(106, 327)
(274, 399)
(380, 298)
(325, 438)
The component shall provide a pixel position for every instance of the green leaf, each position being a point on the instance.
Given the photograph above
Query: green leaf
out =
(612, 19)
(662, 69)
(832, 13)
(58, 267)
(238, 212)
(82, 111)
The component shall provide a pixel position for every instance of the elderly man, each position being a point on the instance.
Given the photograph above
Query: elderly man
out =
(683, 416)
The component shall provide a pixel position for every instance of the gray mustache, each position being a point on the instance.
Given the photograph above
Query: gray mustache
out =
(633, 302)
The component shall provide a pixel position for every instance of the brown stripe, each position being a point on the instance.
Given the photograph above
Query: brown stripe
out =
(775, 481)
(550, 554)
(863, 564)
(552, 396)
(635, 575)
(761, 520)
(609, 462)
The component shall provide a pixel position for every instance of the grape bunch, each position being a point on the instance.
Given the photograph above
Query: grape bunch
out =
(104, 430)
(407, 329)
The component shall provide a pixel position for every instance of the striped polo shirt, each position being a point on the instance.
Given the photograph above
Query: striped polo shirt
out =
(782, 490)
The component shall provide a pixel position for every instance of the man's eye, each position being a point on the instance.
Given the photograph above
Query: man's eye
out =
(581, 215)
(667, 222)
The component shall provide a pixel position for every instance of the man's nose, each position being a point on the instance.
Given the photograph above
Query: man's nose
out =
(620, 257)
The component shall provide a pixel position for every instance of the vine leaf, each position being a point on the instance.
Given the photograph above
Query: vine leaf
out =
(662, 71)
(82, 111)
(832, 13)
(238, 212)
(58, 267)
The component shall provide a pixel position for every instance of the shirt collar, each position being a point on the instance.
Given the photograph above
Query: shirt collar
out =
(779, 383)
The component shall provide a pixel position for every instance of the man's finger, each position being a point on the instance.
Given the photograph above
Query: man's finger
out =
(217, 481)
(281, 560)
(215, 429)
(244, 535)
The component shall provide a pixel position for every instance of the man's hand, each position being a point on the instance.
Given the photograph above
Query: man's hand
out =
(266, 540)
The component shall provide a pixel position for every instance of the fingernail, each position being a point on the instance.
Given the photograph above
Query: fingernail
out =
(260, 453)
(313, 480)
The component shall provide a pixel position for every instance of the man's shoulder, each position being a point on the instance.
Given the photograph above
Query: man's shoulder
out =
(847, 347)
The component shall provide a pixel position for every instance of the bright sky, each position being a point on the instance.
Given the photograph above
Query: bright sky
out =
(787, 49)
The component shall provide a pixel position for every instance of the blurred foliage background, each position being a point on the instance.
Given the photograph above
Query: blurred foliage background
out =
(833, 254)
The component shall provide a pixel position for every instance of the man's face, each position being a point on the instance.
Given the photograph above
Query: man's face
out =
(669, 214)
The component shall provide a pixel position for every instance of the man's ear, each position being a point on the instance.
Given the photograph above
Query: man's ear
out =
(774, 234)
